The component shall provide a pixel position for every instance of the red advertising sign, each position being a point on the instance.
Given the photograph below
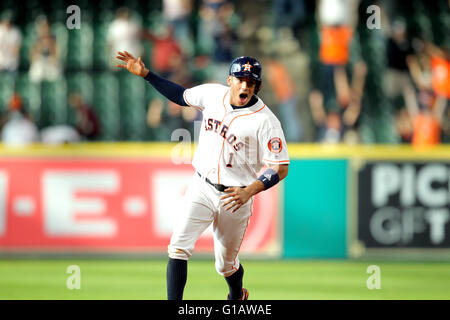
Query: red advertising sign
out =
(108, 205)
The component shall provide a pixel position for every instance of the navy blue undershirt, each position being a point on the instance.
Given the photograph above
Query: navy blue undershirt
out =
(174, 92)
(170, 90)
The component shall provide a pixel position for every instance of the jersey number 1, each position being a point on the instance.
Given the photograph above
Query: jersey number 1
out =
(230, 160)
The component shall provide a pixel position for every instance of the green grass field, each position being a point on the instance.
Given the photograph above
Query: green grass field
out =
(266, 280)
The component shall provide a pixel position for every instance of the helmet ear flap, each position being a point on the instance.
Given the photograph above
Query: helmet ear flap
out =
(257, 87)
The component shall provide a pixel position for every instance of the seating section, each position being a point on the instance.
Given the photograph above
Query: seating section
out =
(121, 99)
(106, 103)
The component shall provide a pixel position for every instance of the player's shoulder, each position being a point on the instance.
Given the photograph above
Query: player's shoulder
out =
(204, 95)
(267, 114)
(210, 88)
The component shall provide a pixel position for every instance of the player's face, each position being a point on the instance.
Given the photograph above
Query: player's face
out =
(241, 90)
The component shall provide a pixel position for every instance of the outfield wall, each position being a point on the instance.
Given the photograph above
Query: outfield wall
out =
(367, 201)
(337, 201)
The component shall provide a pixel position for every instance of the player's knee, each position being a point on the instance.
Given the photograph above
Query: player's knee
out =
(225, 270)
(177, 253)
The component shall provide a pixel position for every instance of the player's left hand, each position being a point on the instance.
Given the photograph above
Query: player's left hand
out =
(237, 198)
(135, 66)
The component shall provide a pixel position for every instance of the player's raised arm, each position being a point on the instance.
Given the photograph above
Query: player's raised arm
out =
(170, 90)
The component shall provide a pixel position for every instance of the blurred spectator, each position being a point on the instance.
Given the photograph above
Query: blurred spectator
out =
(289, 13)
(337, 19)
(218, 33)
(336, 105)
(177, 13)
(87, 123)
(334, 121)
(87, 126)
(202, 69)
(403, 125)
(154, 120)
(124, 34)
(166, 53)
(328, 124)
(284, 89)
(353, 110)
(334, 124)
(59, 134)
(16, 125)
(15, 105)
(401, 65)
(334, 55)
(10, 41)
(427, 119)
(225, 36)
(446, 126)
(432, 75)
(337, 12)
(439, 64)
(164, 120)
(44, 54)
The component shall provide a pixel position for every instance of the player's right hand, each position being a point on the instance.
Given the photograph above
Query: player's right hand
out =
(237, 197)
(135, 66)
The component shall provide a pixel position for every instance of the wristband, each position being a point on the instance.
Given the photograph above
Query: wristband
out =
(269, 178)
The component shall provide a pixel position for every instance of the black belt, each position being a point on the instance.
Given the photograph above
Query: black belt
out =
(219, 187)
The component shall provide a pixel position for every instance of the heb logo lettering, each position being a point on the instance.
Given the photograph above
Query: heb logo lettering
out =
(3, 196)
(64, 211)
(107, 205)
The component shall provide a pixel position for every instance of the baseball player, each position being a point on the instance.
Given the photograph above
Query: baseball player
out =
(239, 136)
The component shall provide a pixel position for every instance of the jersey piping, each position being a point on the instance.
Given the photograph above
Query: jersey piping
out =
(223, 143)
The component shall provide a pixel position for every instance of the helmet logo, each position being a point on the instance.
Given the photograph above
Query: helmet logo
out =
(247, 66)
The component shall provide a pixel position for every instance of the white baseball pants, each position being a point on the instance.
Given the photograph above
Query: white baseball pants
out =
(201, 206)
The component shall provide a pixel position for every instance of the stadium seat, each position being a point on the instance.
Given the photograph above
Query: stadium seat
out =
(6, 90)
(385, 131)
(133, 106)
(80, 46)
(100, 47)
(60, 31)
(106, 103)
(82, 83)
(53, 103)
(106, 4)
(367, 135)
(441, 24)
(28, 38)
(31, 96)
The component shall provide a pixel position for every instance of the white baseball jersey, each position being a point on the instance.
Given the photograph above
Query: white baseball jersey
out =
(234, 144)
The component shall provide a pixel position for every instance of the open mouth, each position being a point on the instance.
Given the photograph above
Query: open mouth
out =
(243, 97)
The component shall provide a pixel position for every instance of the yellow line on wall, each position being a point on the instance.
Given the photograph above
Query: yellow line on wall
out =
(379, 152)
(296, 151)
